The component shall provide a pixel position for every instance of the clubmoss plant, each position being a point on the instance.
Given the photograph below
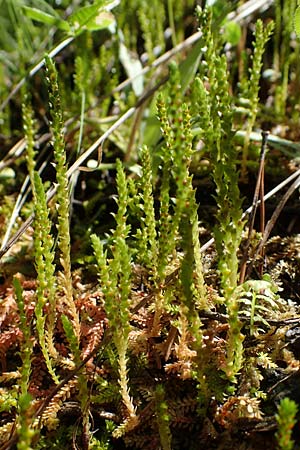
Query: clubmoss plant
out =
(177, 227)
(286, 419)
(146, 235)
(182, 223)
(25, 430)
(80, 93)
(44, 251)
(62, 196)
(81, 83)
(175, 154)
(228, 232)
(29, 129)
(215, 119)
(284, 18)
(115, 281)
(45, 267)
(251, 89)
(151, 18)
(82, 377)
(193, 300)
(163, 418)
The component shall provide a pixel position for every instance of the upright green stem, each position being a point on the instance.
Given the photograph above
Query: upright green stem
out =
(172, 22)
(63, 202)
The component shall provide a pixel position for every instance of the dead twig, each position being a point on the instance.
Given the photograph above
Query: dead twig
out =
(258, 193)
(273, 220)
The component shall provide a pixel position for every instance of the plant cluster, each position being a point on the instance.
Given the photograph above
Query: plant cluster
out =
(126, 332)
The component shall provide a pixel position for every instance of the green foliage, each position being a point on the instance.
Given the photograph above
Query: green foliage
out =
(215, 120)
(81, 82)
(46, 18)
(45, 267)
(232, 32)
(91, 18)
(62, 437)
(251, 89)
(115, 277)
(25, 430)
(115, 273)
(150, 20)
(28, 127)
(146, 236)
(286, 419)
(146, 348)
(258, 300)
(27, 345)
(176, 155)
(72, 339)
(63, 203)
(285, 15)
(163, 418)
(297, 21)
(107, 392)
(13, 19)
(44, 251)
